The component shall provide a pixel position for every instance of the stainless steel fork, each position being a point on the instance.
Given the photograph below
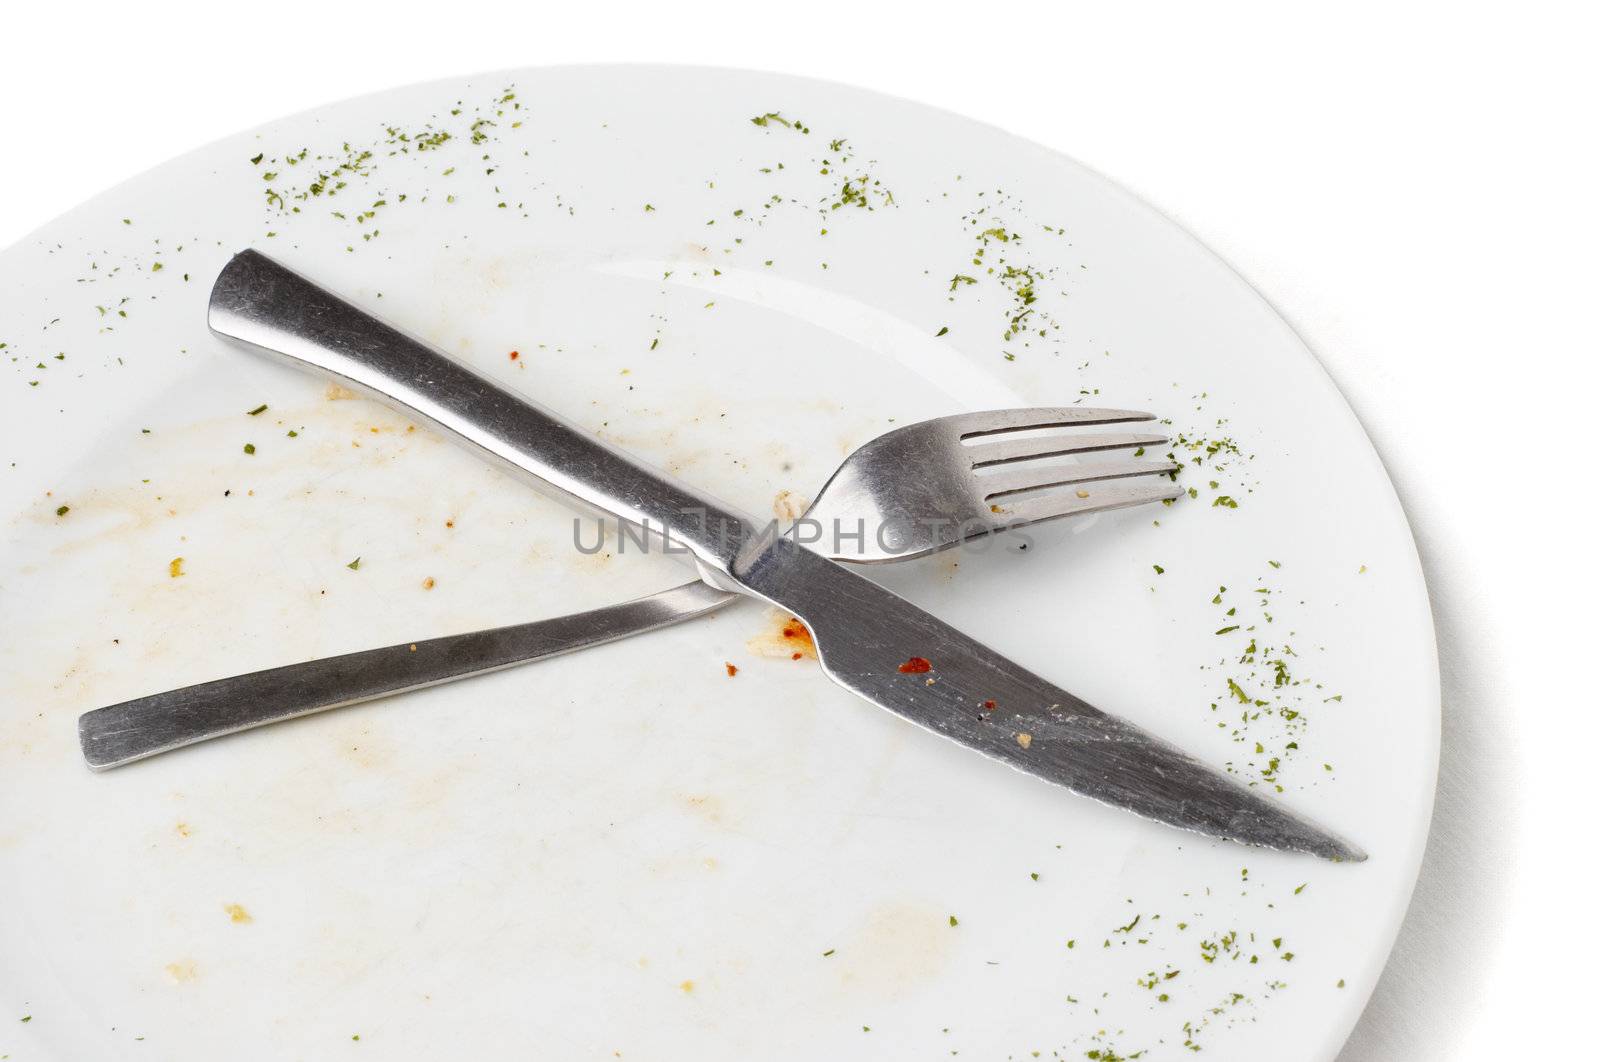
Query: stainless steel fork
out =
(909, 492)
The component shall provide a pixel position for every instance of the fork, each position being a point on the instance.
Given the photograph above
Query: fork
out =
(912, 491)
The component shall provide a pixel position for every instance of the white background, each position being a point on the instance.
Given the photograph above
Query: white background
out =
(1414, 187)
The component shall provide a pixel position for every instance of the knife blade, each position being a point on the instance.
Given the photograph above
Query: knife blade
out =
(865, 634)
(978, 698)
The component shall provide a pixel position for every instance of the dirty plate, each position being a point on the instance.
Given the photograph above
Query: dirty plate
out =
(630, 852)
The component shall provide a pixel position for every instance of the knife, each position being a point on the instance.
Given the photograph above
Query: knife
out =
(868, 640)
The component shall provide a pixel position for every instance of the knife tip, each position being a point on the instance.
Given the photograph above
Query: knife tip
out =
(1341, 852)
(1272, 825)
(1317, 841)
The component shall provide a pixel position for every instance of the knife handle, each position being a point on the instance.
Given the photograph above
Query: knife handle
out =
(161, 722)
(274, 310)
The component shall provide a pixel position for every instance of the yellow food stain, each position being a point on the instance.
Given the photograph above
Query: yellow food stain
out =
(182, 829)
(175, 567)
(367, 748)
(237, 914)
(687, 986)
(709, 806)
(336, 393)
(788, 639)
(897, 950)
(182, 971)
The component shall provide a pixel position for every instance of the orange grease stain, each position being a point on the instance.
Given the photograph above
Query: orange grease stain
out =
(790, 639)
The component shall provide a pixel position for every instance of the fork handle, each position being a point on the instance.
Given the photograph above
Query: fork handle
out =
(161, 722)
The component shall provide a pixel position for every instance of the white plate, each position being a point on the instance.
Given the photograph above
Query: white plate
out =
(627, 852)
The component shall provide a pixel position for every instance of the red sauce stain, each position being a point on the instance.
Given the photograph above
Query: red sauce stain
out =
(732, 671)
(915, 666)
(787, 639)
(515, 355)
(988, 706)
(797, 634)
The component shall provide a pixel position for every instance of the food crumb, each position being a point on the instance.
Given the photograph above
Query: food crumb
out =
(427, 584)
(1024, 739)
(732, 670)
(175, 567)
(787, 505)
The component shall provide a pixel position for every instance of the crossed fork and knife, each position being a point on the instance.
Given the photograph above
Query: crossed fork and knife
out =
(916, 490)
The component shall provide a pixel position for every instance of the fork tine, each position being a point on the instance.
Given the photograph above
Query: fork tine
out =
(1002, 451)
(1098, 498)
(994, 421)
(1034, 477)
